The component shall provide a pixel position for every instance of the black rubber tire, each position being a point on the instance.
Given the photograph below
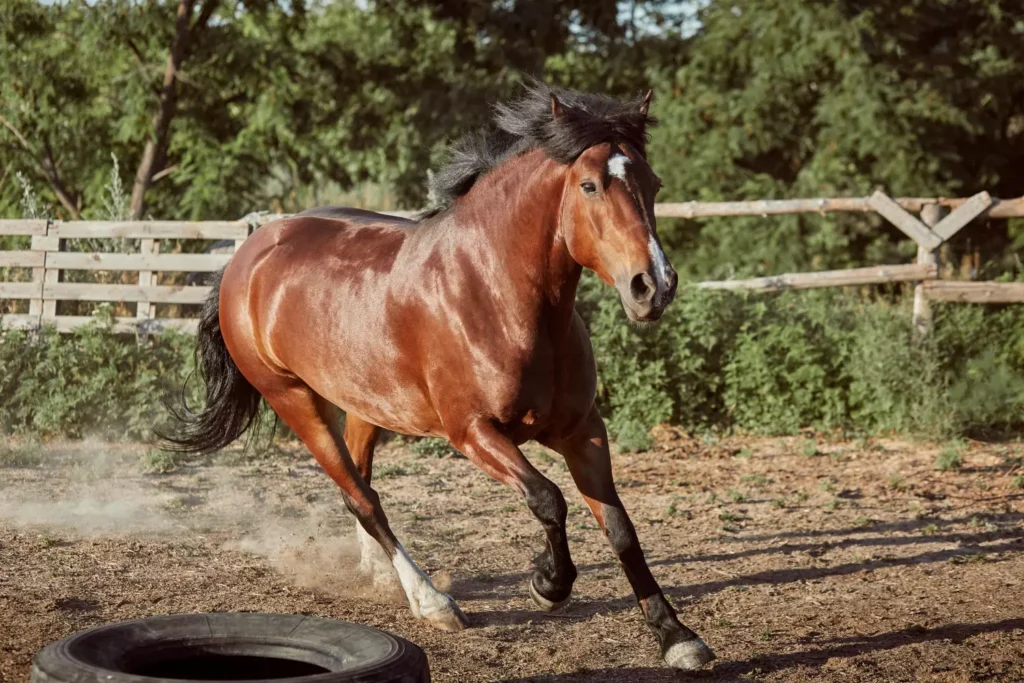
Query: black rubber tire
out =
(142, 651)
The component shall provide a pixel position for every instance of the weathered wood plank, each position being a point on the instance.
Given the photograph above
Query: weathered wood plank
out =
(164, 294)
(829, 278)
(962, 215)
(207, 230)
(1001, 208)
(68, 323)
(19, 321)
(22, 259)
(895, 214)
(155, 262)
(18, 226)
(20, 290)
(974, 292)
(45, 243)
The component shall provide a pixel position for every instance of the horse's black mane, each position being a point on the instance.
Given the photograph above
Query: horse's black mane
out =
(526, 123)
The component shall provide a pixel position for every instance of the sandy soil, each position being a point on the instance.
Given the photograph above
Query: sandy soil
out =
(861, 562)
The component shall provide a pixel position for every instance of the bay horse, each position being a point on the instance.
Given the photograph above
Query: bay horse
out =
(460, 325)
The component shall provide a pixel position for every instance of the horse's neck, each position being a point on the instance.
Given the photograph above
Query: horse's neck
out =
(511, 220)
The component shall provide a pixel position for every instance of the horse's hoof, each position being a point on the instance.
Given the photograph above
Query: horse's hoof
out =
(689, 655)
(449, 618)
(544, 603)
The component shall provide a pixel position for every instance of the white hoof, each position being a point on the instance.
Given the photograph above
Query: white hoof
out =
(689, 655)
(448, 618)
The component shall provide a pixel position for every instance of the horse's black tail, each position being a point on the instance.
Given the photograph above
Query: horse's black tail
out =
(232, 404)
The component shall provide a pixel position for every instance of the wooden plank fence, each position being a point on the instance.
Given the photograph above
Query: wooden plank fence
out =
(48, 260)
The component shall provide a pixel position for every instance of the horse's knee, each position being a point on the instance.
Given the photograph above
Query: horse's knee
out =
(547, 503)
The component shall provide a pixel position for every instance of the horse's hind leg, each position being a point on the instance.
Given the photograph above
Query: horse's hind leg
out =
(316, 422)
(361, 438)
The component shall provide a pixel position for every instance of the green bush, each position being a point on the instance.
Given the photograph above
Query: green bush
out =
(773, 364)
(91, 382)
(769, 364)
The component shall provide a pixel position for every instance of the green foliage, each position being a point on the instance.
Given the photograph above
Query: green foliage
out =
(390, 471)
(28, 454)
(825, 360)
(91, 382)
(159, 462)
(951, 457)
(786, 98)
(432, 448)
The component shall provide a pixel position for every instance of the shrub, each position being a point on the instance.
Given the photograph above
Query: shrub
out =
(91, 382)
(719, 361)
(950, 457)
(826, 359)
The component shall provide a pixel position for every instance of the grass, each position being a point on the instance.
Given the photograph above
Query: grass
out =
(755, 479)
(45, 541)
(160, 462)
(23, 455)
(897, 483)
(1018, 481)
(810, 448)
(950, 457)
(432, 448)
(736, 496)
(389, 471)
(744, 453)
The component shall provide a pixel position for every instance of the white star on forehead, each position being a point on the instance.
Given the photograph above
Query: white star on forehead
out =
(617, 166)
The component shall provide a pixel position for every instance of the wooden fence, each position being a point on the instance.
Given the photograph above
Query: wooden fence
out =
(48, 260)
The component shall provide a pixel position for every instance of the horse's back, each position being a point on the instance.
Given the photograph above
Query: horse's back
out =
(348, 213)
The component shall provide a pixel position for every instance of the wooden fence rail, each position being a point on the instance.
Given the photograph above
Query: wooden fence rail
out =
(47, 259)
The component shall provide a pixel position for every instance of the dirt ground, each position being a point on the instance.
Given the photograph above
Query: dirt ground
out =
(795, 559)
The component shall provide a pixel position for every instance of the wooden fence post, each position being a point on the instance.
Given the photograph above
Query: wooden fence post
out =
(147, 278)
(51, 274)
(931, 214)
(39, 243)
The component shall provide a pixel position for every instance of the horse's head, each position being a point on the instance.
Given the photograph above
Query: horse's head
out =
(608, 223)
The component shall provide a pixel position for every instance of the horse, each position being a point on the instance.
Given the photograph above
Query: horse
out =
(462, 325)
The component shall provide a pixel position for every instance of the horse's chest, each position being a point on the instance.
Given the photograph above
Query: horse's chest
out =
(525, 393)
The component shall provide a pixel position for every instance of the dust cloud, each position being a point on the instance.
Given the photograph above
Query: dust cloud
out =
(98, 490)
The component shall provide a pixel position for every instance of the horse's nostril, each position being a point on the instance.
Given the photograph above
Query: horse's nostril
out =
(642, 287)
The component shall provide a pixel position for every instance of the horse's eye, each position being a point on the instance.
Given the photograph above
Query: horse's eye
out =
(588, 187)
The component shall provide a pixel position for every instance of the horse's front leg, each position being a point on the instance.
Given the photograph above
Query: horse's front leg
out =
(586, 453)
(551, 583)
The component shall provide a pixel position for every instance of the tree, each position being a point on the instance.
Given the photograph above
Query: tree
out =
(834, 98)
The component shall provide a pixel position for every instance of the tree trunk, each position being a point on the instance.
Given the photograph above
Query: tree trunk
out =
(154, 155)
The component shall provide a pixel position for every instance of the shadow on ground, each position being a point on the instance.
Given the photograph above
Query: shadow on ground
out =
(838, 647)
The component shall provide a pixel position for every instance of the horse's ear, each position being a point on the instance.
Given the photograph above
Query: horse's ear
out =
(646, 104)
(556, 107)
